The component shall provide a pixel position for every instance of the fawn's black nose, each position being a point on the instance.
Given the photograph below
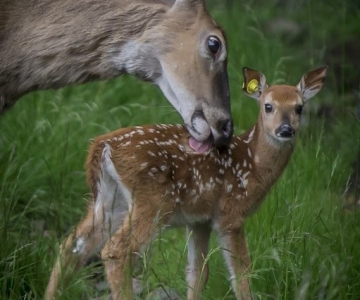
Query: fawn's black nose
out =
(285, 131)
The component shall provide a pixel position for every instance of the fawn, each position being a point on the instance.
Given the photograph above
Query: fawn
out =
(146, 177)
(174, 44)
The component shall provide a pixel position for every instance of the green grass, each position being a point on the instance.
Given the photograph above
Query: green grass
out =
(302, 243)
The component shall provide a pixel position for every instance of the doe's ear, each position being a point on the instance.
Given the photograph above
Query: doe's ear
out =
(188, 5)
(312, 82)
(254, 83)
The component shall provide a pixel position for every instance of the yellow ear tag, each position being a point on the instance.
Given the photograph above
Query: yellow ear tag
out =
(252, 86)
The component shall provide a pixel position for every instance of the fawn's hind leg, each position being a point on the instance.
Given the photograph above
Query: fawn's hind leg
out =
(104, 216)
(74, 252)
(124, 247)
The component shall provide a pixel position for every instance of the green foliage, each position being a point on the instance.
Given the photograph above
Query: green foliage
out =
(303, 245)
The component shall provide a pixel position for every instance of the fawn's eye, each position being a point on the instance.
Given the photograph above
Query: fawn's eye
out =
(298, 109)
(268, 108)
(214, 44)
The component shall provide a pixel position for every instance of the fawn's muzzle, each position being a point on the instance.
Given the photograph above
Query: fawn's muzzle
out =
(285, 131)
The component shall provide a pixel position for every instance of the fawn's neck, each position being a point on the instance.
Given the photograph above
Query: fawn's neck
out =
(269, 157)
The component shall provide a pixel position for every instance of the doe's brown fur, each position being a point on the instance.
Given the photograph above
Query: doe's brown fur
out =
(54, 43)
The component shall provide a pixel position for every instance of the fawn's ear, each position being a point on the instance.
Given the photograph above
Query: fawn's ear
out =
(312, 82)
(254, 83)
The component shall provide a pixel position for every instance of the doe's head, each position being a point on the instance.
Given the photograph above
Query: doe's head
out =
(281, 105)
(194, 74)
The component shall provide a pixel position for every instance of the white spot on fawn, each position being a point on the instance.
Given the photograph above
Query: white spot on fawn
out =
(126, 144)
(209, 186)
(229, 188)
(143, 165)
(244, 180)
(251, 134)
(151, 153)
(141, 132)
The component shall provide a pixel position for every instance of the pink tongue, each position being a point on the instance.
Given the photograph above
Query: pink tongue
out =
(200, 147)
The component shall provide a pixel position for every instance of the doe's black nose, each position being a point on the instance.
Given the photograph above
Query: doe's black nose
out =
(225, 129)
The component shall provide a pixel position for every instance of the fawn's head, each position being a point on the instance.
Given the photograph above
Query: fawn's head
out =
(194, 72)
(281, 105)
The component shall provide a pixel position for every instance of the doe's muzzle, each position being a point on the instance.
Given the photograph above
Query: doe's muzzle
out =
(223, 132)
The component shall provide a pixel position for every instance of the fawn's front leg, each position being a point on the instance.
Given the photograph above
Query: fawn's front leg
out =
(197, 270)
(237, 260)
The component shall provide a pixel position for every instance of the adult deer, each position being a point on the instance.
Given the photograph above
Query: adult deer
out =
(174, 44)
(145, 178)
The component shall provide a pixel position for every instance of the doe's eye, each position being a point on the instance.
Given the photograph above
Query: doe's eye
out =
(298, 109)
(214, 44)
(268, 108)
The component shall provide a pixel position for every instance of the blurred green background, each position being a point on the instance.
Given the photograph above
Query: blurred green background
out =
(305, 239)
